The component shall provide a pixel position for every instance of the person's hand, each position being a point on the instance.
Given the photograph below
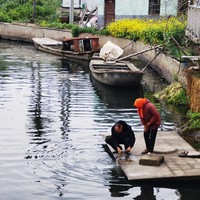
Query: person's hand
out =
(128, 150)
(119, 150)
(145, 128)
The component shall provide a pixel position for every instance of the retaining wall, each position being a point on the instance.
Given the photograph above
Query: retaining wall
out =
(25, 32)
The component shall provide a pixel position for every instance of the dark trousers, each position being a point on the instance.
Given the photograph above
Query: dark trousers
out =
(125, 141)
(150, 138)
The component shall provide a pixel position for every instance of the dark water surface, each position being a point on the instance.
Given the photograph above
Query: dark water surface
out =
(52, 120)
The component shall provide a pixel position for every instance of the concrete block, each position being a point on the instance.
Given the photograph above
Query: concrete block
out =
(151, 160)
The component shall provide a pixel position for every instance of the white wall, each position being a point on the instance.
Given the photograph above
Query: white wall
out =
(127, 7)
(91, 4)
(168, 7)
(131, 7)
(137, 7)
(66, 3)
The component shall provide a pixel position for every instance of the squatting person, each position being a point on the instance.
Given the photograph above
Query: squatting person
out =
(121, 133)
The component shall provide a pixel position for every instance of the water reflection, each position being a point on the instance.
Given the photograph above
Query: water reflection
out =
(35, 104)
(117, 97)
(147, 192)
(151, 79)
(74, 67)
(118, 186)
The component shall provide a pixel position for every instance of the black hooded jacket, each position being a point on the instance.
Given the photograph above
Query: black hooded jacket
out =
(127, 133)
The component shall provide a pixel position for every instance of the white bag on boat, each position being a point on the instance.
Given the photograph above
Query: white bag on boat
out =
(110, 51)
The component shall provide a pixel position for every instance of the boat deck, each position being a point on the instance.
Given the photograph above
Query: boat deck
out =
(101, 64)
(46, 41)
(168, 146)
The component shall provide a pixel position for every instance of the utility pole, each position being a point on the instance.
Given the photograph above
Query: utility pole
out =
(71, 14)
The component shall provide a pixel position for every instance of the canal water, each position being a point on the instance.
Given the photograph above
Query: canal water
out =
(53, 116)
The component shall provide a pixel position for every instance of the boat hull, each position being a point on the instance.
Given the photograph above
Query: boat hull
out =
(123, 74)
(66, 54)
(56, 48)
(119, 78)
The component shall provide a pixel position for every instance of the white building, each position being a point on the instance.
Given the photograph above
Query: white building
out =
(78, 4)
(109, 10)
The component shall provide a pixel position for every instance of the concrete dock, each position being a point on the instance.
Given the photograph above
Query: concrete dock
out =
(167, 148)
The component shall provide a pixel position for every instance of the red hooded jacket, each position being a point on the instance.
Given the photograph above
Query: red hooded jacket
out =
(148, 114)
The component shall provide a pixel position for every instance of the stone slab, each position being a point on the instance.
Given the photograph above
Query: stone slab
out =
(151, 160)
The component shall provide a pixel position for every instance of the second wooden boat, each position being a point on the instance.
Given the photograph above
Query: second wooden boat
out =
(79, 48)
(120, 74)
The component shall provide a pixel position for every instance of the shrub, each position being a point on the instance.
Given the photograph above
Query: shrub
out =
(194, 120)
(4, 18)
(76, 31)
(19, 10)
(173, 94)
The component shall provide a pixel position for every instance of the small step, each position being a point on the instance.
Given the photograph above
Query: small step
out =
(151, 160)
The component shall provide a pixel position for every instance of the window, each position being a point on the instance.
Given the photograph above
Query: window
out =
(154, 7)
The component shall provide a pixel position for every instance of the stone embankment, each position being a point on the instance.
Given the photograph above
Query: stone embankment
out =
(167, 67)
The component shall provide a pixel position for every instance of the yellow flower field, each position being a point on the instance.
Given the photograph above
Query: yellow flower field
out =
(153, 31)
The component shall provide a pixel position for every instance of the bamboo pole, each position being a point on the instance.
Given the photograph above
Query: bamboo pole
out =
(135, 54)
(150, 61)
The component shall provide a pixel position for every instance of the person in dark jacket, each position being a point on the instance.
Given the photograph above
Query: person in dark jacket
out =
(121, 133)
(150, 118)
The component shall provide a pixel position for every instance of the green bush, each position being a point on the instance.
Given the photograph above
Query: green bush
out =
(4, 18)
(173, 94)
(180, 98)
(19, 10)
(194, 120)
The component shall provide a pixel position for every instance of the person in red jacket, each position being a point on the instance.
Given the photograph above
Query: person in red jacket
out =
(150, 119)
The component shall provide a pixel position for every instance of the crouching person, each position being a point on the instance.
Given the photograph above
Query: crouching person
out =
(121, 133)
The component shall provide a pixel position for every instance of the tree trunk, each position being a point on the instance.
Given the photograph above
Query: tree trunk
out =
(34, 11)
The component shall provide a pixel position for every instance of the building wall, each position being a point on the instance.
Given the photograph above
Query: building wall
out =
(131, 7)
(91, 4)
(66, 3)
(135, 8)
(126, 8)
(168, 7)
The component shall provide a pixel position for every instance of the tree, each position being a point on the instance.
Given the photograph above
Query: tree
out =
(34, 11)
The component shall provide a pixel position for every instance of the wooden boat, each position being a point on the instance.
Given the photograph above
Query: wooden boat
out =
(118, 74)
(79, 48)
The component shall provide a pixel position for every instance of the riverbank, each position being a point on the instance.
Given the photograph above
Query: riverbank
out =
(166, 66)
(169, 68)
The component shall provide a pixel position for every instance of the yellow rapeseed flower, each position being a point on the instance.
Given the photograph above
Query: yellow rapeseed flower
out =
(146, 30)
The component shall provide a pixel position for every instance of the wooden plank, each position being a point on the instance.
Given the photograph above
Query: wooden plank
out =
(185, 58)
(46, 41)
